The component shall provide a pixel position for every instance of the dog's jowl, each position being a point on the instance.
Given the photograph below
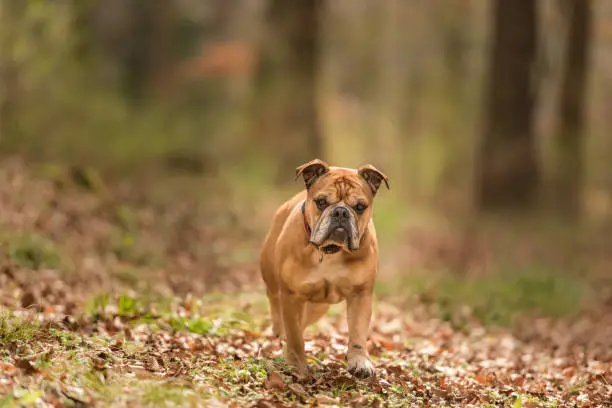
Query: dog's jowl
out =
(321, 249)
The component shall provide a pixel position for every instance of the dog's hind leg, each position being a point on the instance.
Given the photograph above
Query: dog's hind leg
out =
(275, 310)
(273, 292)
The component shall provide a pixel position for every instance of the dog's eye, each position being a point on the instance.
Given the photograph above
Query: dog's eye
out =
(321, 203)
(360, 208)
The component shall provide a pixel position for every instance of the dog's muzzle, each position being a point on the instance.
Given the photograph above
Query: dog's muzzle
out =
(336, 226)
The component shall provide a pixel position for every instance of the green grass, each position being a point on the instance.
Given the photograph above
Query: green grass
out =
(164, 395)
(497, 299)
(21, 398)
(197, 325)
(34, 252)
(214, 314)
(127, 246)
(16, 328)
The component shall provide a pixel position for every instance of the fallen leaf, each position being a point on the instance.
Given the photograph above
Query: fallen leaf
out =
(298, 389)
(386, 344)
(326, 400)
(7, 367)
(274, 381)
(26, 366)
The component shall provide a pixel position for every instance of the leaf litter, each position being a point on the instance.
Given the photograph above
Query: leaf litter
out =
(82, 334)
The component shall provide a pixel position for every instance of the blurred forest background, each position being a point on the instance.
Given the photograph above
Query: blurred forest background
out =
(490, 117)
(145, 144)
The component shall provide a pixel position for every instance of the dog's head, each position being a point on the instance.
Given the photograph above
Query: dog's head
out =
(339, 203)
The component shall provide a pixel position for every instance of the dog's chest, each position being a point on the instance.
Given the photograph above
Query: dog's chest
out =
(327, 282)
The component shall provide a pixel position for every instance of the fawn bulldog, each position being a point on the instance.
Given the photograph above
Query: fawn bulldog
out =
(321, 249)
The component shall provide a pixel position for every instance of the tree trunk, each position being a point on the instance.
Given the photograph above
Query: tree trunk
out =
(285, 103)
(508, 173)
(569, 135)
(10, 80)
(136, 64)
(161, 48)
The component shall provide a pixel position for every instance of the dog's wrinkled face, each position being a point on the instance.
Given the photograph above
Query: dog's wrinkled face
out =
(339, 203)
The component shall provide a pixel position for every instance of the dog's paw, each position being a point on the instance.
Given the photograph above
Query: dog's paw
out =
(302, 370)
(299, 367)
(280, 334)
(296, 361)
(360, 366)
(274, 331)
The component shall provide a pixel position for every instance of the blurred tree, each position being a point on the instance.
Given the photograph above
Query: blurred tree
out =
(454, 41)
(452, 103)
(8, 71)
(162, 57)
(569, 139)
(285, 103)
(137, 65)
(136, 39)
(35, 59)
(508, 173)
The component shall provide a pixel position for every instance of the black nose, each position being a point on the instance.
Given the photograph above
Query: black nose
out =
(340, 213)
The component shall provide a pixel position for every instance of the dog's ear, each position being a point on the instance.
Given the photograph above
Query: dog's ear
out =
(311, 171)
(373, 177)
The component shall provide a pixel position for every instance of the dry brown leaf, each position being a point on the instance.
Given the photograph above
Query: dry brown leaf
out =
(298, 389)
(27, 367)
(386, 344)
(275, 381)
(326, 400)
(7, 367)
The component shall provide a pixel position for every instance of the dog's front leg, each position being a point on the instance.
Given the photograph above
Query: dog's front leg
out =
(359, 313)
(292, 310)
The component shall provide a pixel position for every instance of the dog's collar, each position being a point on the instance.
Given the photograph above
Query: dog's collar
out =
(306, 226)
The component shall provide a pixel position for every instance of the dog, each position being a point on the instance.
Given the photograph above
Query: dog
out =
(322, 249)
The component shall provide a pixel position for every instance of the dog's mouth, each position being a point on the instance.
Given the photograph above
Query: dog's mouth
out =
(332, 233)
(337, 239)
(331, 249)
(339, 235)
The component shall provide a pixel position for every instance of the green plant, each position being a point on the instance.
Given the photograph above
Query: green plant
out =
(34, 252)
(128, 306)
(16, 328)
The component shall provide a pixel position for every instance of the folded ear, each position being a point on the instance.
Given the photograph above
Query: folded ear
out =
(311, 171)
(373, 176)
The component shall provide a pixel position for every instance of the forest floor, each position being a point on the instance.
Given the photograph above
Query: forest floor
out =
(110, 297)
